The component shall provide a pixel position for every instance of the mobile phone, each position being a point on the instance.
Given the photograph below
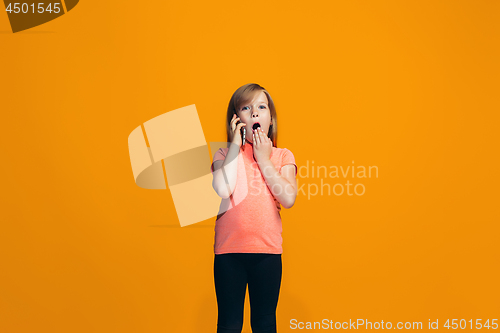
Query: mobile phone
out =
(243, 132)
(243, 136)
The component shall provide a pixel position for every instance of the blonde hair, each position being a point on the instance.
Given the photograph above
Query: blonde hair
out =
(245, 94)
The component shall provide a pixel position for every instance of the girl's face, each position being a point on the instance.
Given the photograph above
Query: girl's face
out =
(256, 114)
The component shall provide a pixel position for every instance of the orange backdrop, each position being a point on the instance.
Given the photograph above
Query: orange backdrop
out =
(411, 88)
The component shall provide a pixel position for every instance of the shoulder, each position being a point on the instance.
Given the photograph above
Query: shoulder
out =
(282, 151)
(279, 150)
(286, 156)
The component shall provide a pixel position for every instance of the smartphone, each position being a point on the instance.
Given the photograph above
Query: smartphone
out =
(243, 132)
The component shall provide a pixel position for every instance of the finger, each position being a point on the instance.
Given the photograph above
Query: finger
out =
(262, 135)
(264, 138)
(257, 137)
(239, 126)
(234, 121)
(267, 137)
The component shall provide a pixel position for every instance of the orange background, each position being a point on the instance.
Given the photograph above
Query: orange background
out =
(409, 87)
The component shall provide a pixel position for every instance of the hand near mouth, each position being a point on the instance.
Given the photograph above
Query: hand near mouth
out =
(262, 146)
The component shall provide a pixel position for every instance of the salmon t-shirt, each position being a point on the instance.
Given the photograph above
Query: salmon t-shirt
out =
(249, 220)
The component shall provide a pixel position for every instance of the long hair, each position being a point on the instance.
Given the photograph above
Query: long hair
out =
(245, 94)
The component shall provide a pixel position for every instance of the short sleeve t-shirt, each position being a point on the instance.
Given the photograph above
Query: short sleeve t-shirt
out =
(249, 220)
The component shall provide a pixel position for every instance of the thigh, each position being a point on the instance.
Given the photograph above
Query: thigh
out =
(230, 279)
(264, 281)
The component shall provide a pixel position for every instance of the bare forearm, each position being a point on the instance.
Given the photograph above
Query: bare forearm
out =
(282, 189)
(224, 180)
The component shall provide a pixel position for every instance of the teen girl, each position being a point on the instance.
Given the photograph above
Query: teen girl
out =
(254, 178)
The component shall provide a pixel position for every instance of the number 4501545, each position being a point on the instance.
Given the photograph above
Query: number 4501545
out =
(41, 8)
(462, 324)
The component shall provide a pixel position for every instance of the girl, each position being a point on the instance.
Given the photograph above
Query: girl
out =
(254, 179)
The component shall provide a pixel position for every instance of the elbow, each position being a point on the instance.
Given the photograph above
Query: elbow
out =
(289, 203)
(289, 199)
(221, 192)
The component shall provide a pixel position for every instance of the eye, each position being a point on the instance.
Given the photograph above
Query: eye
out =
(244, 108)
(262, 106)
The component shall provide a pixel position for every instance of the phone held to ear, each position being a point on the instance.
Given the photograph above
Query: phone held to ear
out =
(243, 132)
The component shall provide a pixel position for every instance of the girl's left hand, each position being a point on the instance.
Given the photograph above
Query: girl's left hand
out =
(262, 146)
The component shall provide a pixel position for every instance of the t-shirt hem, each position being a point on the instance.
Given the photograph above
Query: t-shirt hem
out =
(249, 250)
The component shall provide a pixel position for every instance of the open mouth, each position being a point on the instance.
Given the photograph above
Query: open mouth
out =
(255, 126)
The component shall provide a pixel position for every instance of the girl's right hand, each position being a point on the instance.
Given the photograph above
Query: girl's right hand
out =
(235, 132)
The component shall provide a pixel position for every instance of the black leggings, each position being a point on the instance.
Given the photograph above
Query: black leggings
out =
(232, 272)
